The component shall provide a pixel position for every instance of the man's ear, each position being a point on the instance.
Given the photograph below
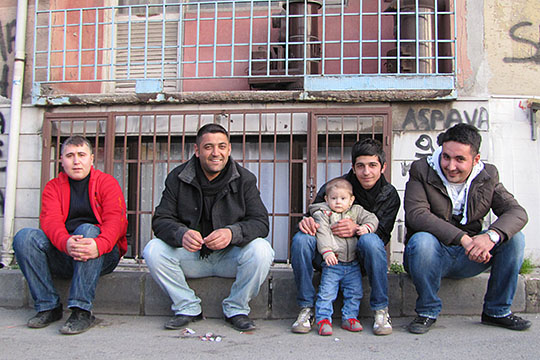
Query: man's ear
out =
(476, 159)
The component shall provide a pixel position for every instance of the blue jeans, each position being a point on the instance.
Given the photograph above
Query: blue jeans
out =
(427, 261)
(39, 261)
(371, 255)
(347, 275)
(170, 266)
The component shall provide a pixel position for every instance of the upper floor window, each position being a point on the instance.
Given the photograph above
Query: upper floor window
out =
(228, 45)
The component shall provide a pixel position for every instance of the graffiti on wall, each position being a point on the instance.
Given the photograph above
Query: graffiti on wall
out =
(2, 168)
(535, 45)
(7, 42)
(425, 146)
(435, 119)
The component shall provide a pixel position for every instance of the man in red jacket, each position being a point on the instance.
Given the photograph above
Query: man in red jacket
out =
(82, 236)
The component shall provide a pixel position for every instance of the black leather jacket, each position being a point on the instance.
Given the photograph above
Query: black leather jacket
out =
(238, 206)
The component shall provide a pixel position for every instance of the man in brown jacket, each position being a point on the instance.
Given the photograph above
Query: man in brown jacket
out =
(446, 199)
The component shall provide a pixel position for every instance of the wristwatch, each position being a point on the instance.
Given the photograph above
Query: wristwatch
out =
(493, 236)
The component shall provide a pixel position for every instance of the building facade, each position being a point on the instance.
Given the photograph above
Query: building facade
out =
(296, 82)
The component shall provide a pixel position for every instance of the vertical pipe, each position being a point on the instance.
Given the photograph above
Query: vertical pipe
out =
(14, 128)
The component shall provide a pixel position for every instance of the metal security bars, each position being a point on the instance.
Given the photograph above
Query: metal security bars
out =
(175, 46)
(291, 152)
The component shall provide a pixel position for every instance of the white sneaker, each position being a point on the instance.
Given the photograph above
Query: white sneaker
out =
(304, 322)
(383, 323)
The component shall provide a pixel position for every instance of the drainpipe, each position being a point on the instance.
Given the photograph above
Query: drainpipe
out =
(14, 128)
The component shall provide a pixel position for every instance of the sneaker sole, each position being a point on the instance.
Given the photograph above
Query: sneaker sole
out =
(418, 330)
(172, 327)
(382, 332)
(300, 330)
(41, 326)
(352, 330)
(505, 327)
(251, 328)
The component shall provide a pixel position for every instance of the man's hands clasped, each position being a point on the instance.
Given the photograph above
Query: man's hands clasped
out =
(81, 248)
(478, 247)
(216, 240)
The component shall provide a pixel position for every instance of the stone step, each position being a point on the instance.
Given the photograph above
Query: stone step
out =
(136, 293)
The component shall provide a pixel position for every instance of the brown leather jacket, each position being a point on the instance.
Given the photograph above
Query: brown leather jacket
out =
(429, 208)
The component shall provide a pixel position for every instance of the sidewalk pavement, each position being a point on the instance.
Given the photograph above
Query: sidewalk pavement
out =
(143, 337)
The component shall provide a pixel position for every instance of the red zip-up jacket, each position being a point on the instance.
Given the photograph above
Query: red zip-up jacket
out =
(108, 205)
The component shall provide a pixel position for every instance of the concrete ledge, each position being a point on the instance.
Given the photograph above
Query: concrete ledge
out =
(211, 291)
(13, 289)
(532, 293)
(136, 293)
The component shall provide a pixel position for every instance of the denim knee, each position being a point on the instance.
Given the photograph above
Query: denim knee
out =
(87, 230)
(370, 244)
(152, 250)
(259, 251)
(303, 244)
(515, 246)
(423, 245)
(28, 238)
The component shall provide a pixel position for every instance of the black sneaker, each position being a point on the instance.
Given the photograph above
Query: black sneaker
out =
(241, 322)
(44, 318)
(420, 325)
(78, 322)
(511, 322)
(179, 321)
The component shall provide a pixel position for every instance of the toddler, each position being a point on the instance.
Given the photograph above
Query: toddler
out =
(340, 267)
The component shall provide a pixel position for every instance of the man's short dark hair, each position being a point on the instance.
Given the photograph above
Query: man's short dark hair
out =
(368, 147)
(210, 129)
(76, 140)
(464, 134)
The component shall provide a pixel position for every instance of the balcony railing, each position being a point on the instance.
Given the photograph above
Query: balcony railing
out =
(232, 45)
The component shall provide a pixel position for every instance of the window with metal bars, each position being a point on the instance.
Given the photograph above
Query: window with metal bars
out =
(292, 153)
(238, 45)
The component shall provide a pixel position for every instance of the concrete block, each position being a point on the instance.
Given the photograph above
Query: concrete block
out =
(25, 180)
(465, 296)
(27, 203)
(30, 148)
(395, 294)
(119, 293)
(461, 297)
(519, 304)
(211, 291)
(13, 287)
(34, 113)
(283, 294)
(532, 293)
(25, 222)
(155, 300)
